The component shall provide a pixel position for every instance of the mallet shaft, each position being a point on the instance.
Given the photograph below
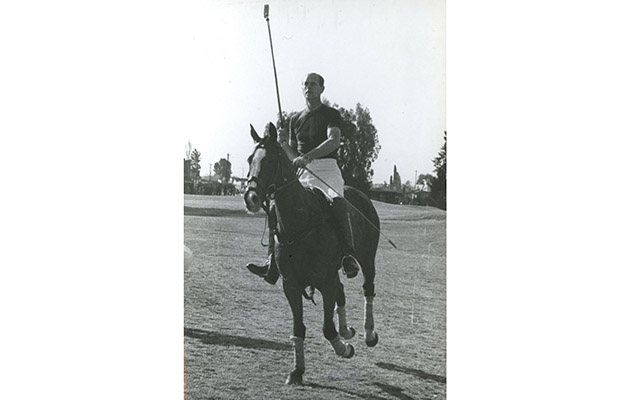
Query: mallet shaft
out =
(273, 60)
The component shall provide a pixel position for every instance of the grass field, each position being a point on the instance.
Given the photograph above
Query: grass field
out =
(237, 327)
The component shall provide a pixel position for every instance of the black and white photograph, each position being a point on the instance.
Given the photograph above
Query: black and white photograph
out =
(322, 257)
(315, 202)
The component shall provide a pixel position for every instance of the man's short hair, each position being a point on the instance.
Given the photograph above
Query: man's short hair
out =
(319, 78)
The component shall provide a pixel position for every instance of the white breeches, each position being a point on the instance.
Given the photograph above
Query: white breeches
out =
(328, 170)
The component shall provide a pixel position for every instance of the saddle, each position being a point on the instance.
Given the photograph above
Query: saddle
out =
(319, 205)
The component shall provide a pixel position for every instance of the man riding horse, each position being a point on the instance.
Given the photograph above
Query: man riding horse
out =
(313, 139)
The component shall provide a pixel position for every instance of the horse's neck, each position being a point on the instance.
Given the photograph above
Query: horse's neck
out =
(291, 205)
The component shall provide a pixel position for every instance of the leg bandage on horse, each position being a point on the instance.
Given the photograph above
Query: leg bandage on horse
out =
(341, 317)
(345, 331)
(368, 317)
(342, 349)
(298, 353)
(371, 338)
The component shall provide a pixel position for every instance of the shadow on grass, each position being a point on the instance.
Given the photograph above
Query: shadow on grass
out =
(359, 395)
(414, 372)
(393, 391)
(389, 389)
(218, 212)
(239, 341)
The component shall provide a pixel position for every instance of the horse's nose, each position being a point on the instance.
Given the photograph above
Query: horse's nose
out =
(252, 201)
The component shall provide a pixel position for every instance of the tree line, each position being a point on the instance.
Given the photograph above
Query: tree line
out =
(222, 184)
(432, 187)
(358, 150)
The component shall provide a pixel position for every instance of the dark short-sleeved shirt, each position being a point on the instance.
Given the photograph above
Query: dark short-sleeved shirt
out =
(310, 129)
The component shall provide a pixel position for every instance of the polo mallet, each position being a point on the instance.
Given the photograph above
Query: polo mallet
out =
(273, 60)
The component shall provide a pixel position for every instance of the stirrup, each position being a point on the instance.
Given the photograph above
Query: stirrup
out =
(350, 266)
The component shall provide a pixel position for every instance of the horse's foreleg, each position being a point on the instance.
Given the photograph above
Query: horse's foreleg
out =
(371, 338)
(345, 331)
(299, 332)
(330, 333)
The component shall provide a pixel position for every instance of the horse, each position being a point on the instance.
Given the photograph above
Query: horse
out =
(307, 250)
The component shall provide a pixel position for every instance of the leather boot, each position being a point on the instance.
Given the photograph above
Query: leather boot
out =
(350, 264)
(269, 270)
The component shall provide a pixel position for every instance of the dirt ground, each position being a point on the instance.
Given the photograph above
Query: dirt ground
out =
(237, 327)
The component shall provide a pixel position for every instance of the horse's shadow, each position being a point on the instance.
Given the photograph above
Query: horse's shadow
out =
(393, 391)
(414, 372)
(215, 338)
(360, 395)
(389, 389)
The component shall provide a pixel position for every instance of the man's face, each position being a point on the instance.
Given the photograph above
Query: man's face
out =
(311, 87)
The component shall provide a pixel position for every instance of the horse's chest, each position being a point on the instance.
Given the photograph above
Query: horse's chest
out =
(310, 260)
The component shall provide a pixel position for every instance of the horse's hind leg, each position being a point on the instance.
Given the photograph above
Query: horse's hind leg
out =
(330, 333)
(371, 337)
(345, 331)
(294, 296)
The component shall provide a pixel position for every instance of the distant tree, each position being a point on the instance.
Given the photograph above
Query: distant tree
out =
(438, 183)
(195, 166)
(395, 179)
(424, 180)
(223, 169)
(359, 147)
(287, 117)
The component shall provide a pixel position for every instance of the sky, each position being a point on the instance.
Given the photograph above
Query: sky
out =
(388, 56)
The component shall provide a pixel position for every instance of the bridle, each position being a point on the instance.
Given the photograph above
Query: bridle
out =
(272, 190)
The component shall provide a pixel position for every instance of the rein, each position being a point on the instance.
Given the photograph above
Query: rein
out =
(272, 193)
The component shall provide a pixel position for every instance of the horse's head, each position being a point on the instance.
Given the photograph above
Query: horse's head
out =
(265, 168)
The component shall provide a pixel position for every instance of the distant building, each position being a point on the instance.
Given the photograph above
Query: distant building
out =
(404, 195)
(239, 183)
(386, 194)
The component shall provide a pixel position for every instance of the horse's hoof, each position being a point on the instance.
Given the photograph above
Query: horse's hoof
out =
(351, 353)
(294, 378)
(348, 334)
(372, 343)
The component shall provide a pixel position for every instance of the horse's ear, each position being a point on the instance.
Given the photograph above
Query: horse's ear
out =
(255, 136)
(273, 134)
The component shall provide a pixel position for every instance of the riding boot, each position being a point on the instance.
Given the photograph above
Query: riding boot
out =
(350, 264)
(269, 270)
